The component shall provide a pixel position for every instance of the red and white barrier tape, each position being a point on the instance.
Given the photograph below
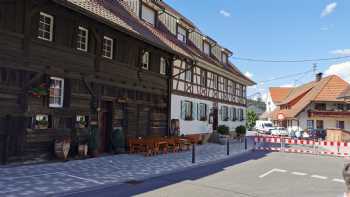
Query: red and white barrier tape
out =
(300, 142)
(290, 150)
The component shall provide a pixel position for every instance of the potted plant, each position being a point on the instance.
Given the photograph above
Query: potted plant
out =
(224, 134)
(241, 131)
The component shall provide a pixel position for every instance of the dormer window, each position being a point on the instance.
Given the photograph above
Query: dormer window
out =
(181, 34)
(145, 61)
(148, 15)
(206, 48)
(224, 58)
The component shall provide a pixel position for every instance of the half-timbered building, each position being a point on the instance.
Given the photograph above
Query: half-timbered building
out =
(66, 65)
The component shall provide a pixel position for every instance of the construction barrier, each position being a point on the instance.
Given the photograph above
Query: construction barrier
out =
(289, 145)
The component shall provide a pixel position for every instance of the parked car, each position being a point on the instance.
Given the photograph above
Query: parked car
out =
(317, 134)
(302, 135)
(280, 131)
(264, 127)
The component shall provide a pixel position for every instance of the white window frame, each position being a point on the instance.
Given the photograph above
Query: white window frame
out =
(162, 66)
(202, 112)
(51, 26)
(148, 18)
(179, 34)
(224, 58)
(338, 124)
(104, 51)
(206, 48)
(79, 42)
(188, 110)
(55, 105)
(145, 60)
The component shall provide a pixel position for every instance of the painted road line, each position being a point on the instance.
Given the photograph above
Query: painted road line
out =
(338, 180)
(319, 177)
(81, 178)
(299, 173)
(272, 171)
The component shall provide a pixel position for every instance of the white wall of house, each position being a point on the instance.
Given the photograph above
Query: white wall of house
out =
(328, 122)
(270, 105)
(197, 126)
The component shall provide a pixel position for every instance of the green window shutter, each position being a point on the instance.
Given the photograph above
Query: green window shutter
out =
(194, 111)
(183, 110)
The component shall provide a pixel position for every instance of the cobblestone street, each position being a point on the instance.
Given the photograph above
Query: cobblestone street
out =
(56, 178)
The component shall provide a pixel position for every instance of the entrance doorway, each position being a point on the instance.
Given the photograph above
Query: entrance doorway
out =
(106, 126)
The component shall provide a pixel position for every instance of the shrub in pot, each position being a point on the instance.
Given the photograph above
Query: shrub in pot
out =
(241, 131)
(224, 134)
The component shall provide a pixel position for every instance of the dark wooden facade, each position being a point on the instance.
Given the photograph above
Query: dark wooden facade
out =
(123, 94)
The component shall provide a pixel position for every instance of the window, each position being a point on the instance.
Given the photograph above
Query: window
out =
(241, 113)
(348, 107)
(320, 106)
(203, 79)
(234, 114)
(319, 124)
(224, 113)
(340, 124)
(56, 92)
(202, 112)
(162, 66)
(181, 34)
(188, 73)
(238, 90)
(206, 48)
(310, 124)
(186, 110)
(340, 107)
(145, 60)
(225, 85)
(215, 78)
(107, 48)
(82, 39)
(224, 58)
(45, 31)
(148, 15)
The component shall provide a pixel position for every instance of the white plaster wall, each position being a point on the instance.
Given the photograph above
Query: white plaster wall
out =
(328, 122)
(196, 126)
(233, 124)
(270, 105)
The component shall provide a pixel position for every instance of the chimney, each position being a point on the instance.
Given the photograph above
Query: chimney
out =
(319, 77)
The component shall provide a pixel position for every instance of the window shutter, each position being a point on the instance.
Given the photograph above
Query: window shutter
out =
(183, 110)
(194, 111)
(221, 113)
(67, 93)
(50, 121)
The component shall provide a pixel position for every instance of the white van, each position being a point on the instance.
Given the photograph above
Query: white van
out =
(263, 126)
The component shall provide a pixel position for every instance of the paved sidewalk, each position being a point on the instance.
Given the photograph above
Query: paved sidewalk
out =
(51, 179)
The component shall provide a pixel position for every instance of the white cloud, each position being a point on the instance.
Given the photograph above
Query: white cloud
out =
(249, 75)
(329, 9)
(225, 13)
(341, 52)
(324, 28)
(342, 70)
(287, 85)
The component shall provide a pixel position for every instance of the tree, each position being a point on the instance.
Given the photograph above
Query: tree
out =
(251, 119)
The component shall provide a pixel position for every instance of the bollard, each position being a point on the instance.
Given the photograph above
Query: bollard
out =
(245, 143)
(193, 153)
(228, 147)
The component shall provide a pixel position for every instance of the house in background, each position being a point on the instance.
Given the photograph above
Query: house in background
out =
(315, 105)
(257, 106)
(274, 97)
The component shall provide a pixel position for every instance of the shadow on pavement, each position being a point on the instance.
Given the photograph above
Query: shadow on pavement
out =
(139, 187)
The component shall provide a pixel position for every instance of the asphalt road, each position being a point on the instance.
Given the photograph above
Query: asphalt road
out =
(257, 174)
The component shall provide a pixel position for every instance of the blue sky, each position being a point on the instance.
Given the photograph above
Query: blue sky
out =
(277, 30)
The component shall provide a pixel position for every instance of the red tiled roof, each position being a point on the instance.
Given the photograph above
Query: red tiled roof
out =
(117, 13)
(325, 90)
(278, 94)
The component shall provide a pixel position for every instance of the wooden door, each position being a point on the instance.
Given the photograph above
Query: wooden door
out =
(105, 126)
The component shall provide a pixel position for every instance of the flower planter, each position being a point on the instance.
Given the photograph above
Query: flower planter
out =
(223, 139)
(83, 150)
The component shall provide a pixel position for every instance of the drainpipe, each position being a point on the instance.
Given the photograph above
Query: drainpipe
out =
(170, 87)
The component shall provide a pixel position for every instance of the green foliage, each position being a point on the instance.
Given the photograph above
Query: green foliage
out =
(223, 130)
(241, 130)
(251, 119)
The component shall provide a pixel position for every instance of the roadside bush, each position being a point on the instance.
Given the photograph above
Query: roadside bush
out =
(224, 130)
